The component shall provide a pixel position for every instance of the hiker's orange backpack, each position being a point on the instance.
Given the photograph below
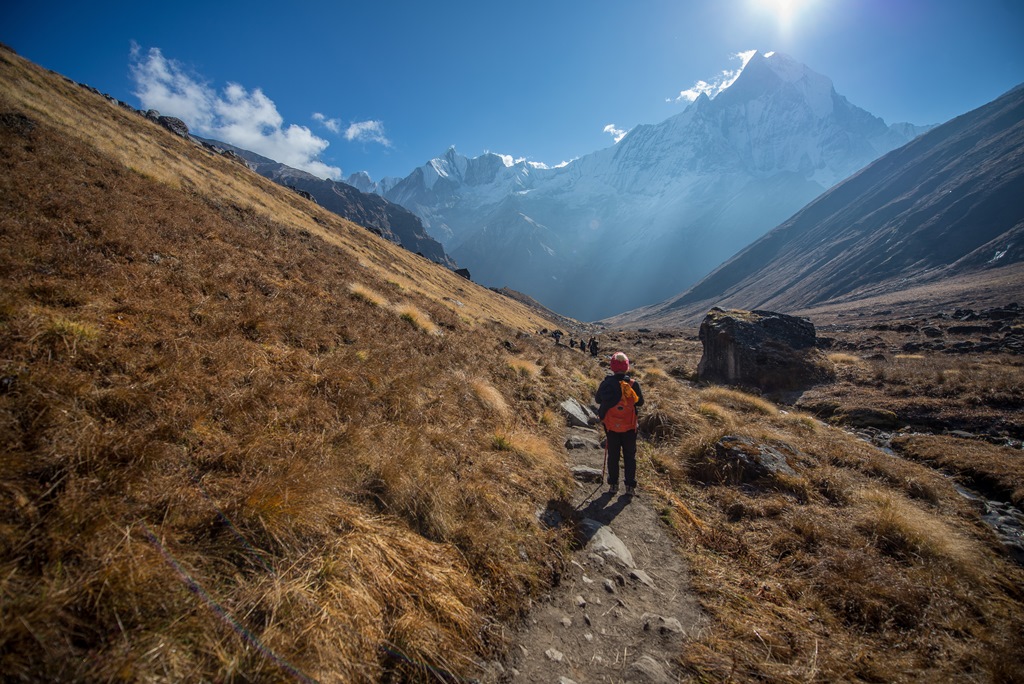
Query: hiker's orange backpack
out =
(622, 416)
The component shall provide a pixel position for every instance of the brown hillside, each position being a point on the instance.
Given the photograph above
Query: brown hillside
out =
(243, 437)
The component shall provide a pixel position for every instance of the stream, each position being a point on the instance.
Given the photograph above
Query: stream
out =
(1005, 519)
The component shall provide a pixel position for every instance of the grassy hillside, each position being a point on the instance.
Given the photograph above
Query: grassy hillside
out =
(246, 440)
(242, 437)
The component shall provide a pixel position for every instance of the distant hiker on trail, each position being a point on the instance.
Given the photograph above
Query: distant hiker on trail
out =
(558, 336)
(593, 346)
(572, 343)
(617, 398)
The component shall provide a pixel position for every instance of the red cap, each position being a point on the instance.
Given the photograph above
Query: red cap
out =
(619, 363)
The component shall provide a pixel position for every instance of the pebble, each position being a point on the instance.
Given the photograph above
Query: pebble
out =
(554, 655)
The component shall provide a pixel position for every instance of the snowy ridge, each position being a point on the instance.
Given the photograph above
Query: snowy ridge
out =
(678, 197)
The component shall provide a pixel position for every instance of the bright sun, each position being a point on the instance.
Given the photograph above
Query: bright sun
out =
(784, 11)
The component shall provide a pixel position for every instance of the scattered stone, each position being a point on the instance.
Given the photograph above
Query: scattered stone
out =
(588, 636)
(581, 602)
(651, 669)
(603, 541)
(661, 624)
(762, 349)
(566, 680)
(642, 577)
(578, 414)
(555, 655)
(586, 619)
(566, 622)
(584, 473)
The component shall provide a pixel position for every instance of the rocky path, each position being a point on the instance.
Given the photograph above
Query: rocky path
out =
(623, 608)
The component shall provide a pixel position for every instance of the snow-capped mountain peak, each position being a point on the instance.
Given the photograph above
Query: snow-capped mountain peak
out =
(678, 197)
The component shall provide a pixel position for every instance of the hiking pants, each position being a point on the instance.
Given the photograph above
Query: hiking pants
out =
(623, 443)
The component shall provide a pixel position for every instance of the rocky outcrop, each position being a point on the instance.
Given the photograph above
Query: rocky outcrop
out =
(174, 125)
(761, 349)
(740, 460)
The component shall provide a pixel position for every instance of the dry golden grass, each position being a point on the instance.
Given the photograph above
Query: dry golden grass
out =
(411, 314)
(367, 295)
(861, 567)
(220, 462)
(524, 367)
(842, 359)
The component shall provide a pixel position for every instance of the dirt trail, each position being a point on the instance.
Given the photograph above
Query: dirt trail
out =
(608, 620)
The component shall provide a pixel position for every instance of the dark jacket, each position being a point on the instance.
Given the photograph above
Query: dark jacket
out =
(609, 393)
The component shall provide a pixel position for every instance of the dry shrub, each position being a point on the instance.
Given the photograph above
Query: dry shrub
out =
(843, 359)
(417, 318)
(527, 369)
(368, 295)
(910, 533)
(738, 401)
(490, 397)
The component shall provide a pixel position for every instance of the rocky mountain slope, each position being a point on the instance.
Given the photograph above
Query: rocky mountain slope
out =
(946, 207)
(391, 221)
(642, 220)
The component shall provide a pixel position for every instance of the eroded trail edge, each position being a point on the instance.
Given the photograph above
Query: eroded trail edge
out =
(623, 609)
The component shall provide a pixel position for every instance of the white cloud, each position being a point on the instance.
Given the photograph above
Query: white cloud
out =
(247, 119)
(367, 131)
(333, 125)
(718, 83)
(616, 133)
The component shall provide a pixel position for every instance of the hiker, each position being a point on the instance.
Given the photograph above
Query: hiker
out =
(617, 398)
(593, 346)
(558, 337)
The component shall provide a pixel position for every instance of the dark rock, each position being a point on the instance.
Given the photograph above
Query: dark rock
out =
(741, 460)
(16, 122)
(762, 349)
(301, 193)
(932, 331)
(464, 272)
(174, 125)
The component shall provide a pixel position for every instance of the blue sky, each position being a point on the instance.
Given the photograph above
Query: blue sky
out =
(339, 87)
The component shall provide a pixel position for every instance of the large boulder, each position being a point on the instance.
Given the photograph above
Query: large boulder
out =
(761, 349)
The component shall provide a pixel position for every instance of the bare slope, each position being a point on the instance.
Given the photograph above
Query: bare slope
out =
(243, 437)
(945, 206)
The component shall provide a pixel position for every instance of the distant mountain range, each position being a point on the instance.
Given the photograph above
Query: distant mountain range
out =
(950, 204)
(643, 220)
(387, 219)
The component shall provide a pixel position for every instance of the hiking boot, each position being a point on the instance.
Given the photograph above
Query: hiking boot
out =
(630, 491)
(613, 489)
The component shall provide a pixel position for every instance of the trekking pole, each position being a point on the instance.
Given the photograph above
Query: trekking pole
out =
(604, 466)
